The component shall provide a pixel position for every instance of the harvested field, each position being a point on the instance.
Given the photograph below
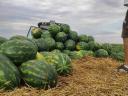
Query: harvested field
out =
(91, 77)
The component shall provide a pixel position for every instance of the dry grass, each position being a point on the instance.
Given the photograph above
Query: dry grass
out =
(91, 77)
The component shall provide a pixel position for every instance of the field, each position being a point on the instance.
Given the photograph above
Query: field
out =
(91, 77)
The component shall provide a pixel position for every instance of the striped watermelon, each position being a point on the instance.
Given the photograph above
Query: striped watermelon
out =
(39, 74)
(9, 74)
(2, 40)
(61, 61)
(19, 50)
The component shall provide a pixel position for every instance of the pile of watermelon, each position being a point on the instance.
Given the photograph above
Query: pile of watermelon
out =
(61, 38)
(38, 61)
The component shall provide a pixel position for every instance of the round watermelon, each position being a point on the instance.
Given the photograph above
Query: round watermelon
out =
(46, 34)
(61, 37)
(19, 50)
(59, 45)
(82, 46)
(118, 56)
(41, 44)
(2, 40)
(101, 53)
(107, 47)
(66, 52)
(54, 29)
(38, 74)
(70, 45)
(76, 54)
(94, 46)
(61, 61)
(73, 35)
(83, 38)
(56, 51)
(91, 38)
(36, 33)
(9, 74)
(50, 43)
(65, 28)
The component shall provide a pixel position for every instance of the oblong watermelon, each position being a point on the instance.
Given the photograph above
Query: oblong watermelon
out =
(9, 74)
(101, 53)
(39, 74)
(94, 45)
(61, 61)
(19, 50)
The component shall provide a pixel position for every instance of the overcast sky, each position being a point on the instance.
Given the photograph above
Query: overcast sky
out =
(100, 18)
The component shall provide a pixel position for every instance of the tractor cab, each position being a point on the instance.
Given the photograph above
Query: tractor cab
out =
(42, 25)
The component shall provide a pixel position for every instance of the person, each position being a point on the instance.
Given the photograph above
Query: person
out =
(124, 67)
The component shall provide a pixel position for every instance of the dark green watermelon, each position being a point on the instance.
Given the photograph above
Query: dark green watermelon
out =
(83, 38)
(91, 38)
(2, 40)
(46, 34)
(9, 74)
(50, 43)
(41, 44)
(19, 50)
(38, 74)
(73, 35)
(101, 53)
(59, 45)
(70, 45)
(118, 56)
(65, 28)
(54, 29)
(82, 46)
(61, 37)
(94, 46)
(107, 47)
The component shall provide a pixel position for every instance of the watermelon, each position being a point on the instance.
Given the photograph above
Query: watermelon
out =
(54, 29)
(9, 74)
(73, 35)
(82, 46)
(20, 37)
(76, 54)
(41, 44)
(70, 44)
(46, 34)
(61, 37)
(61, 61)
(107, 47)
(83, 38)
(66, 52)
(65, 28)
(118, 55)
(36, 32)
(91, 38)
(59, 45)
(101, 53)
(56, 51)
(94, 46)
(87, 53)
(2, 40)
(19, 50)
(50, 43)
(39, 56)
(38, 74)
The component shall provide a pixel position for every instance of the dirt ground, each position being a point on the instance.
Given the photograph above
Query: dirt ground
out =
(91, 77)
